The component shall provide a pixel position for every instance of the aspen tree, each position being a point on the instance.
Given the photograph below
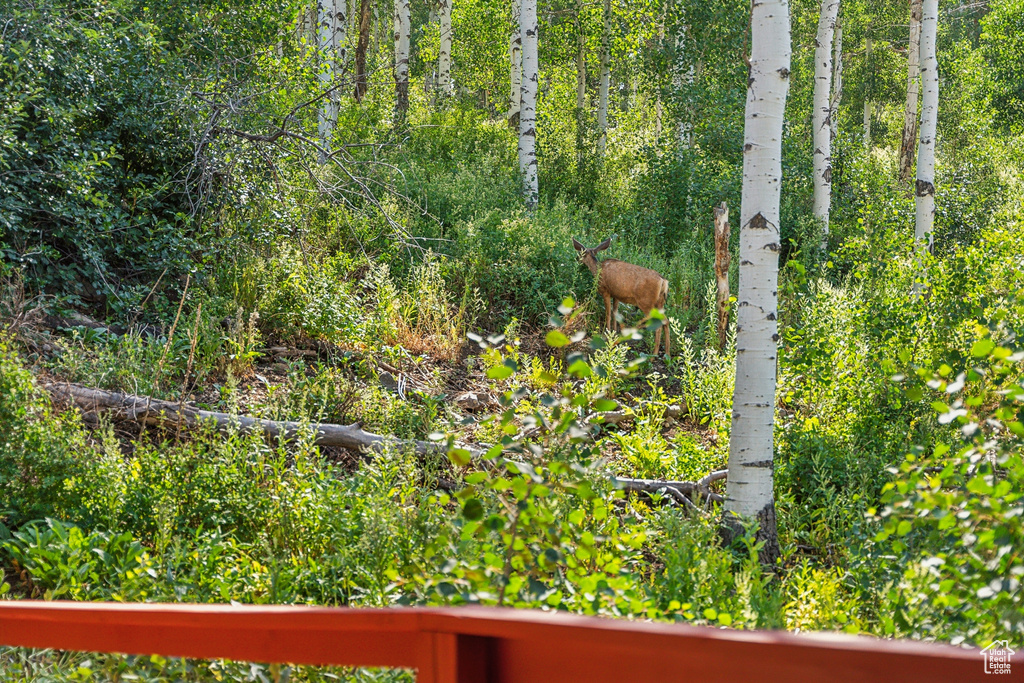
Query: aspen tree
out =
(339, 38)
(659, 107)
(751, 448)
(515, 55)
(822, 114)
(444, 57)
(528, 102)
(909, 137)
(837, 80)
(867, 92)
(581, 60)
(606, 79)
(925, 222)
(328, 114)
(402, 32)
(581, 88)
(683, 75)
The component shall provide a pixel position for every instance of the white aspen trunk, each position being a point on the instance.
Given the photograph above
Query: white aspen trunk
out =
(837, 80)
(751, 445)
(328, 114)
(402, 31)
(929, 115)
(682, 76)
(306, 28)
(444, 57)
(606, 79)
(581, 61)
(515, 54)
(659, 107)
(528, 30)
(430, 80)
(822, 114)
(867, 93)
(339, 38)
(913, 84)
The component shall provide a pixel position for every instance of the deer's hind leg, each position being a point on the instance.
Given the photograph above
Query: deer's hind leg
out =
(668, 326)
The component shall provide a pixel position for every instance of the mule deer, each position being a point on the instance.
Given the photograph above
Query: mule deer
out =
(620, 281)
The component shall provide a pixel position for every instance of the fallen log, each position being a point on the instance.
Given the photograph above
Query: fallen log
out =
(169, 413)
(686, 488)
(614, 417)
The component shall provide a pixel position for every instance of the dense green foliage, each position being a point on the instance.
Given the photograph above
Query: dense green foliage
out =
(135, 186)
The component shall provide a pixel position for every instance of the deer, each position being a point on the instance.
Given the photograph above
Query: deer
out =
(618, 281)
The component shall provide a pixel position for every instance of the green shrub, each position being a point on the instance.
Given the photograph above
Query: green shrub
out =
(48, 468)
(66, 562)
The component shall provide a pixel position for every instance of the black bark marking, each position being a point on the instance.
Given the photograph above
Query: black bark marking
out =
(758, 222)
(925, 189)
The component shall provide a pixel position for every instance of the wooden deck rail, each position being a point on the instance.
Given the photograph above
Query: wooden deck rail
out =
(464, 645)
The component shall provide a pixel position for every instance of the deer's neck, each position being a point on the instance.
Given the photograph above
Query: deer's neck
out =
(595, 268)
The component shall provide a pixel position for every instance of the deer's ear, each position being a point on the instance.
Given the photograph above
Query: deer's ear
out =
(577, 245)
(604, 245)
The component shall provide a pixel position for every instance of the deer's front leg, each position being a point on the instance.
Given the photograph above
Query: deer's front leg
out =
(617, 326)
(607, 309)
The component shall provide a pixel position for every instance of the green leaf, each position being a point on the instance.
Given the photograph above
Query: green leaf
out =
(904, 528)
(603, 405)
(500, 372)
(473, 509)
(579, 369)
(460, 457)
(982, 348)
(556, 339)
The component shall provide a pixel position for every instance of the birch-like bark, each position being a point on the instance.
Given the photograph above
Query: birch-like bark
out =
(528, 30)
(515, 55)
(925, 222)
(328, 114)
(822, 114)
(659, 107)
(909, 137)
(362, 45)
(682, 76)
(306, 28)
(444, 56)
(339, 38)
(606, 79)
(751, 446)
(837, 80)
(581, 87)
(581, 60)
(402, 32)
(867, 93)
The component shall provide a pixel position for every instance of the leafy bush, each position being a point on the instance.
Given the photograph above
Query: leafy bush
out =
(65, 562)
(47, 466)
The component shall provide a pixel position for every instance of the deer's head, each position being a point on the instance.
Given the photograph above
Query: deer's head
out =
(588, 257)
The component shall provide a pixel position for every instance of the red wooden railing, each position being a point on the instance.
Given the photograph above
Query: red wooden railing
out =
(472, 645)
